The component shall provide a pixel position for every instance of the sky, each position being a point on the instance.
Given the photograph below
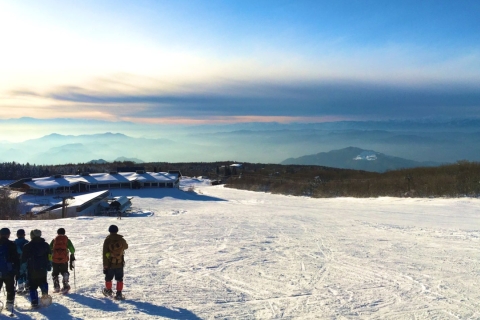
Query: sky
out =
(195, 62)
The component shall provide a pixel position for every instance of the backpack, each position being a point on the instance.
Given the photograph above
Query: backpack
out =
(116, 251)
(60, 251)
(5, 266)
(39, 259)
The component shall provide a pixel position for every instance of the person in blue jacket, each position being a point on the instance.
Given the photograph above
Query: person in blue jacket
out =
(22, 285)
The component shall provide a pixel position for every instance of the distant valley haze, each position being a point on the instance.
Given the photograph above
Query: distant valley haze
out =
(420, 142)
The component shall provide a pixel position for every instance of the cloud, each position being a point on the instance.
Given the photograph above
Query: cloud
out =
(340, 99)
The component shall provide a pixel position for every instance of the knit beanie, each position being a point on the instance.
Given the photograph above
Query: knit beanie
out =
(35, 233)
(113, 229)
(61, 231)
(4, 232)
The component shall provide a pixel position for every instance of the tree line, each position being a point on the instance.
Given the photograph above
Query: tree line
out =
(454, 180)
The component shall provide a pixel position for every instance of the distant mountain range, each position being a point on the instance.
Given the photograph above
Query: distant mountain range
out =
(82, 141)
(59, 149)
(119, 159)
(358, 159)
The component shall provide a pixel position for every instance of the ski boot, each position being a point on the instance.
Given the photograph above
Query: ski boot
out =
(107, 292)
(9, 305)
(56, 284)
(66, 288)
(119, 296)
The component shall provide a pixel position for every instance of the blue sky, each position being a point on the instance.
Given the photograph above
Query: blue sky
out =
(239, 61)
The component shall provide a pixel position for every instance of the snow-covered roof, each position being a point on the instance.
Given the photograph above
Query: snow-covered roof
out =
(120, 201)
(78, 200)
(100, 178)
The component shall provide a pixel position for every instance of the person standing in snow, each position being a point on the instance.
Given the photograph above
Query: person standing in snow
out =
(9, 265)
(60, 247)
(22, 285)
(38, 256)
(113, 261)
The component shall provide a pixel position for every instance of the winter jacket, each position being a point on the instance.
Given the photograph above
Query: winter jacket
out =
(70, 246)
(113, 237)
(12, 256)
(38, 256)
(20, 242)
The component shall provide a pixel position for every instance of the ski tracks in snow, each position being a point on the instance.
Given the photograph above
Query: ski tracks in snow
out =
(262, 256)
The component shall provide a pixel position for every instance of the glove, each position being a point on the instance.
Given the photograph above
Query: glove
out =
(72, 261)
(49, 267)
(105, 270)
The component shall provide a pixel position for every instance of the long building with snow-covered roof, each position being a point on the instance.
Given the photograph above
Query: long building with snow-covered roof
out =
(88, 182)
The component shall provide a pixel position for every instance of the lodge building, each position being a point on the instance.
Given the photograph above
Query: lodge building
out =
(90, 182)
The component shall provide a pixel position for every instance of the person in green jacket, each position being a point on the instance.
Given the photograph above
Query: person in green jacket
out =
(60, 246)
(114, 248)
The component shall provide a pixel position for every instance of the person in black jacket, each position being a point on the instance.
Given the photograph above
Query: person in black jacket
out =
(9, 266)
(38, 257)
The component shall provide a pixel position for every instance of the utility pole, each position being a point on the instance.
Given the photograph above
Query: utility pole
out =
(64, 198)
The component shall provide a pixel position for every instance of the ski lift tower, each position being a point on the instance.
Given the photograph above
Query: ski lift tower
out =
(65, 197)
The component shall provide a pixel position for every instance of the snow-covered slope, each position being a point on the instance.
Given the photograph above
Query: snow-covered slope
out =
(218, 253)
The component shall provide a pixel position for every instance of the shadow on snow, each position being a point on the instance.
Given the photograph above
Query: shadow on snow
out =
(154, 310)
(106, 304)
(54, 311)
(164, 193)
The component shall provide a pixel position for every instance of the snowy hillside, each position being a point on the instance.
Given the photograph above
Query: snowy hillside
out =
(218, 253)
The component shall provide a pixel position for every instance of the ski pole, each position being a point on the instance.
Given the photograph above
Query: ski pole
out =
(74, 281)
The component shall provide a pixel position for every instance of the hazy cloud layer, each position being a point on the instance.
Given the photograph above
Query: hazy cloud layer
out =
(343, 99)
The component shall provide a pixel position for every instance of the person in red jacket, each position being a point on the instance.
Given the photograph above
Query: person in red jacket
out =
(60, 246)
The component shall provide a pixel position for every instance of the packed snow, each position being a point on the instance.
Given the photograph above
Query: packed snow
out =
(209, 252)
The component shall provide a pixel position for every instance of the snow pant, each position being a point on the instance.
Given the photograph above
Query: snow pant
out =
(116, 273)
(35, 283)
(22, 277)
(9, 281)
(22, 280)
(60, 268)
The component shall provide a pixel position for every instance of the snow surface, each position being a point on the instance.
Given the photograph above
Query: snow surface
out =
(366, 155)
(223, 253)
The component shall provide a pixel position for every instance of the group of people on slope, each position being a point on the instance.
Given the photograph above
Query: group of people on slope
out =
(24, 264)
